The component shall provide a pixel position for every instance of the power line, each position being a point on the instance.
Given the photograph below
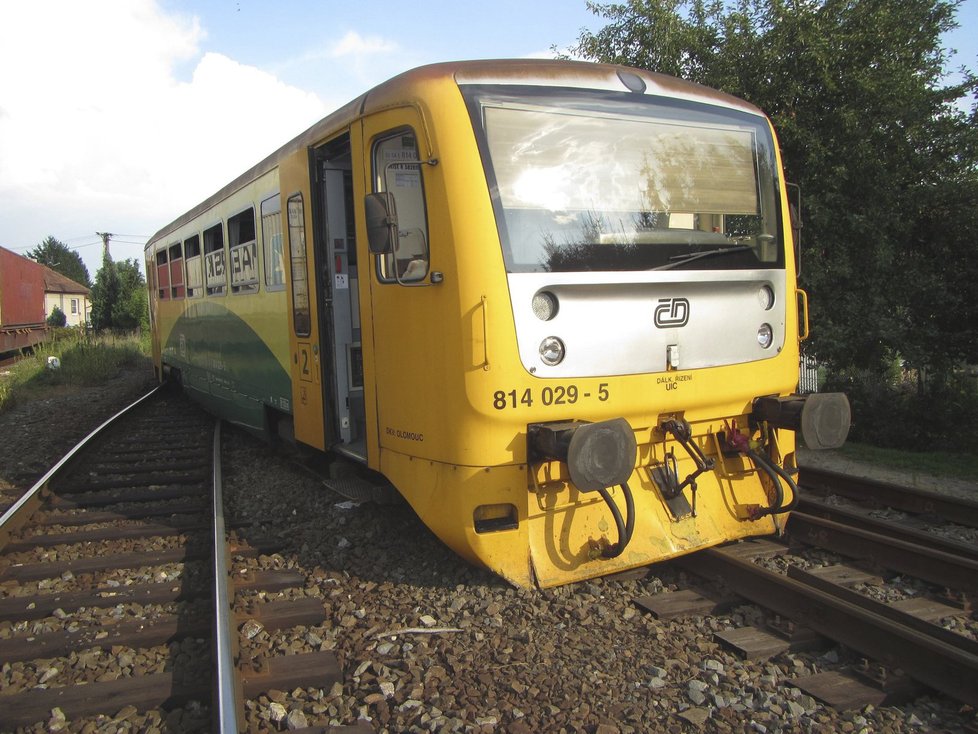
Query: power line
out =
(115, 238)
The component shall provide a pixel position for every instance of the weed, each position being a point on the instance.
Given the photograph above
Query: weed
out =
(84, 360)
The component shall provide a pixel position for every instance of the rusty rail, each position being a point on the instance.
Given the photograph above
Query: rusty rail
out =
(934, 662)
(917, 501)
(937, 567)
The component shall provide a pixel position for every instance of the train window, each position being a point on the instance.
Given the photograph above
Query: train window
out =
(243, 249)
(301, 318)
(397, 169)
(585, 182)
(162, 275)
(151, 279)
(176, 271)
(215, 264)
(272, 243)
(192, 264)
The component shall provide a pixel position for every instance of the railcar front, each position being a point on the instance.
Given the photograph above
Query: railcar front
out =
(554, 303)
(629, 324)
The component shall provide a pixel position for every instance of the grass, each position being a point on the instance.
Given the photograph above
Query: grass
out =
(937, 463)
(85, 359)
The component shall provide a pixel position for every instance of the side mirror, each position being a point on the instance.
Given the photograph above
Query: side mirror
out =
(381, 215)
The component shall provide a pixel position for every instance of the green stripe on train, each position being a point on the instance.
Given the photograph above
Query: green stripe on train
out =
(227, 365)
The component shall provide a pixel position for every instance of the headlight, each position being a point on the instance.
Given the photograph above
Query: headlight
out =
(551, 351)
(544, 305)
(765, 335)
(765, 296)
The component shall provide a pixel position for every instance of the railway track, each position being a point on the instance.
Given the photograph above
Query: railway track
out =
(426, 641)
(842, 595)
(123, 591)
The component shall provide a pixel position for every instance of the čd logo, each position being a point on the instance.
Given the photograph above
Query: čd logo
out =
(672, 313)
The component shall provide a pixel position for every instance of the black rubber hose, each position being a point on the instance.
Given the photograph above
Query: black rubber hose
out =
(791, 483)
(774, 472)
(625, 527)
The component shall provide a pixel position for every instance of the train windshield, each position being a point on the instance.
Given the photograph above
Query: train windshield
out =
(586, 181)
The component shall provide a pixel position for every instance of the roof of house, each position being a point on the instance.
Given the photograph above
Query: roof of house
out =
(55, 282)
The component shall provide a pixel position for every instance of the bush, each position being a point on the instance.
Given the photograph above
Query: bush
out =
(57, 317)
(901, 409)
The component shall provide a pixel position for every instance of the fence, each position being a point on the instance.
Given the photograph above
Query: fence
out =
(807, 374)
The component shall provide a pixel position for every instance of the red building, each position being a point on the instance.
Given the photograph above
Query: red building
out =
(28, 291)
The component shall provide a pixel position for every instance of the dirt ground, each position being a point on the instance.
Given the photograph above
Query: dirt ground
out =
(35, 434)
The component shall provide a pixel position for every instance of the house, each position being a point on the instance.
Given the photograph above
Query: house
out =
(72, 298)
(29, 292)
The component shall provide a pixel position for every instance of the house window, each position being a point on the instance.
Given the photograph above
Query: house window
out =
(74, 305)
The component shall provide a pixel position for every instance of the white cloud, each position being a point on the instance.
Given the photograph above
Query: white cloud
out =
(97, 129)
(353, 44)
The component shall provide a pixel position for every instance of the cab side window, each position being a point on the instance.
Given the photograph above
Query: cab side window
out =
(397, 169)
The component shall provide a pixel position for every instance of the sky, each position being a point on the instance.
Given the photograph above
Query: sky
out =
(119, 115)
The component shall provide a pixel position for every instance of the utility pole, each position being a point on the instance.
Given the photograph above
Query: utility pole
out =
(105, 243)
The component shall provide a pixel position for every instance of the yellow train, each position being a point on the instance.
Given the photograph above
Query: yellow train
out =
(553, 303)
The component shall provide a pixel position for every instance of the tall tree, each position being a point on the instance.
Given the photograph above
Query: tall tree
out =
(131, 309)
(57, 256)
(105, 294)
(871, 129)
(119, 299)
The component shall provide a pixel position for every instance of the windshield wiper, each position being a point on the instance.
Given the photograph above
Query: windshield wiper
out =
(683, 259)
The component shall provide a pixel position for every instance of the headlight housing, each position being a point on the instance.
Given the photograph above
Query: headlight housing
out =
(765, 335)
(551, 351)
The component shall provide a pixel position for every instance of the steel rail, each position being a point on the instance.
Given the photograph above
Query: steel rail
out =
(918, 501)
(228, 693)
(890, 528)
(935, 663)
(19, 512)
(883, 609)
(937, 567)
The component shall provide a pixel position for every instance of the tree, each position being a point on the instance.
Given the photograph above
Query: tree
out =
(119, 298)
(57, 256)
(131, 310)
(871, 130)
(105, 294)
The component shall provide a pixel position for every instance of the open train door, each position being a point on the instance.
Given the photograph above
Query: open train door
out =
(327, 367)
(305, 344)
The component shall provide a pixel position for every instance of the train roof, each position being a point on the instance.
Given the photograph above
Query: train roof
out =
(527, 72)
